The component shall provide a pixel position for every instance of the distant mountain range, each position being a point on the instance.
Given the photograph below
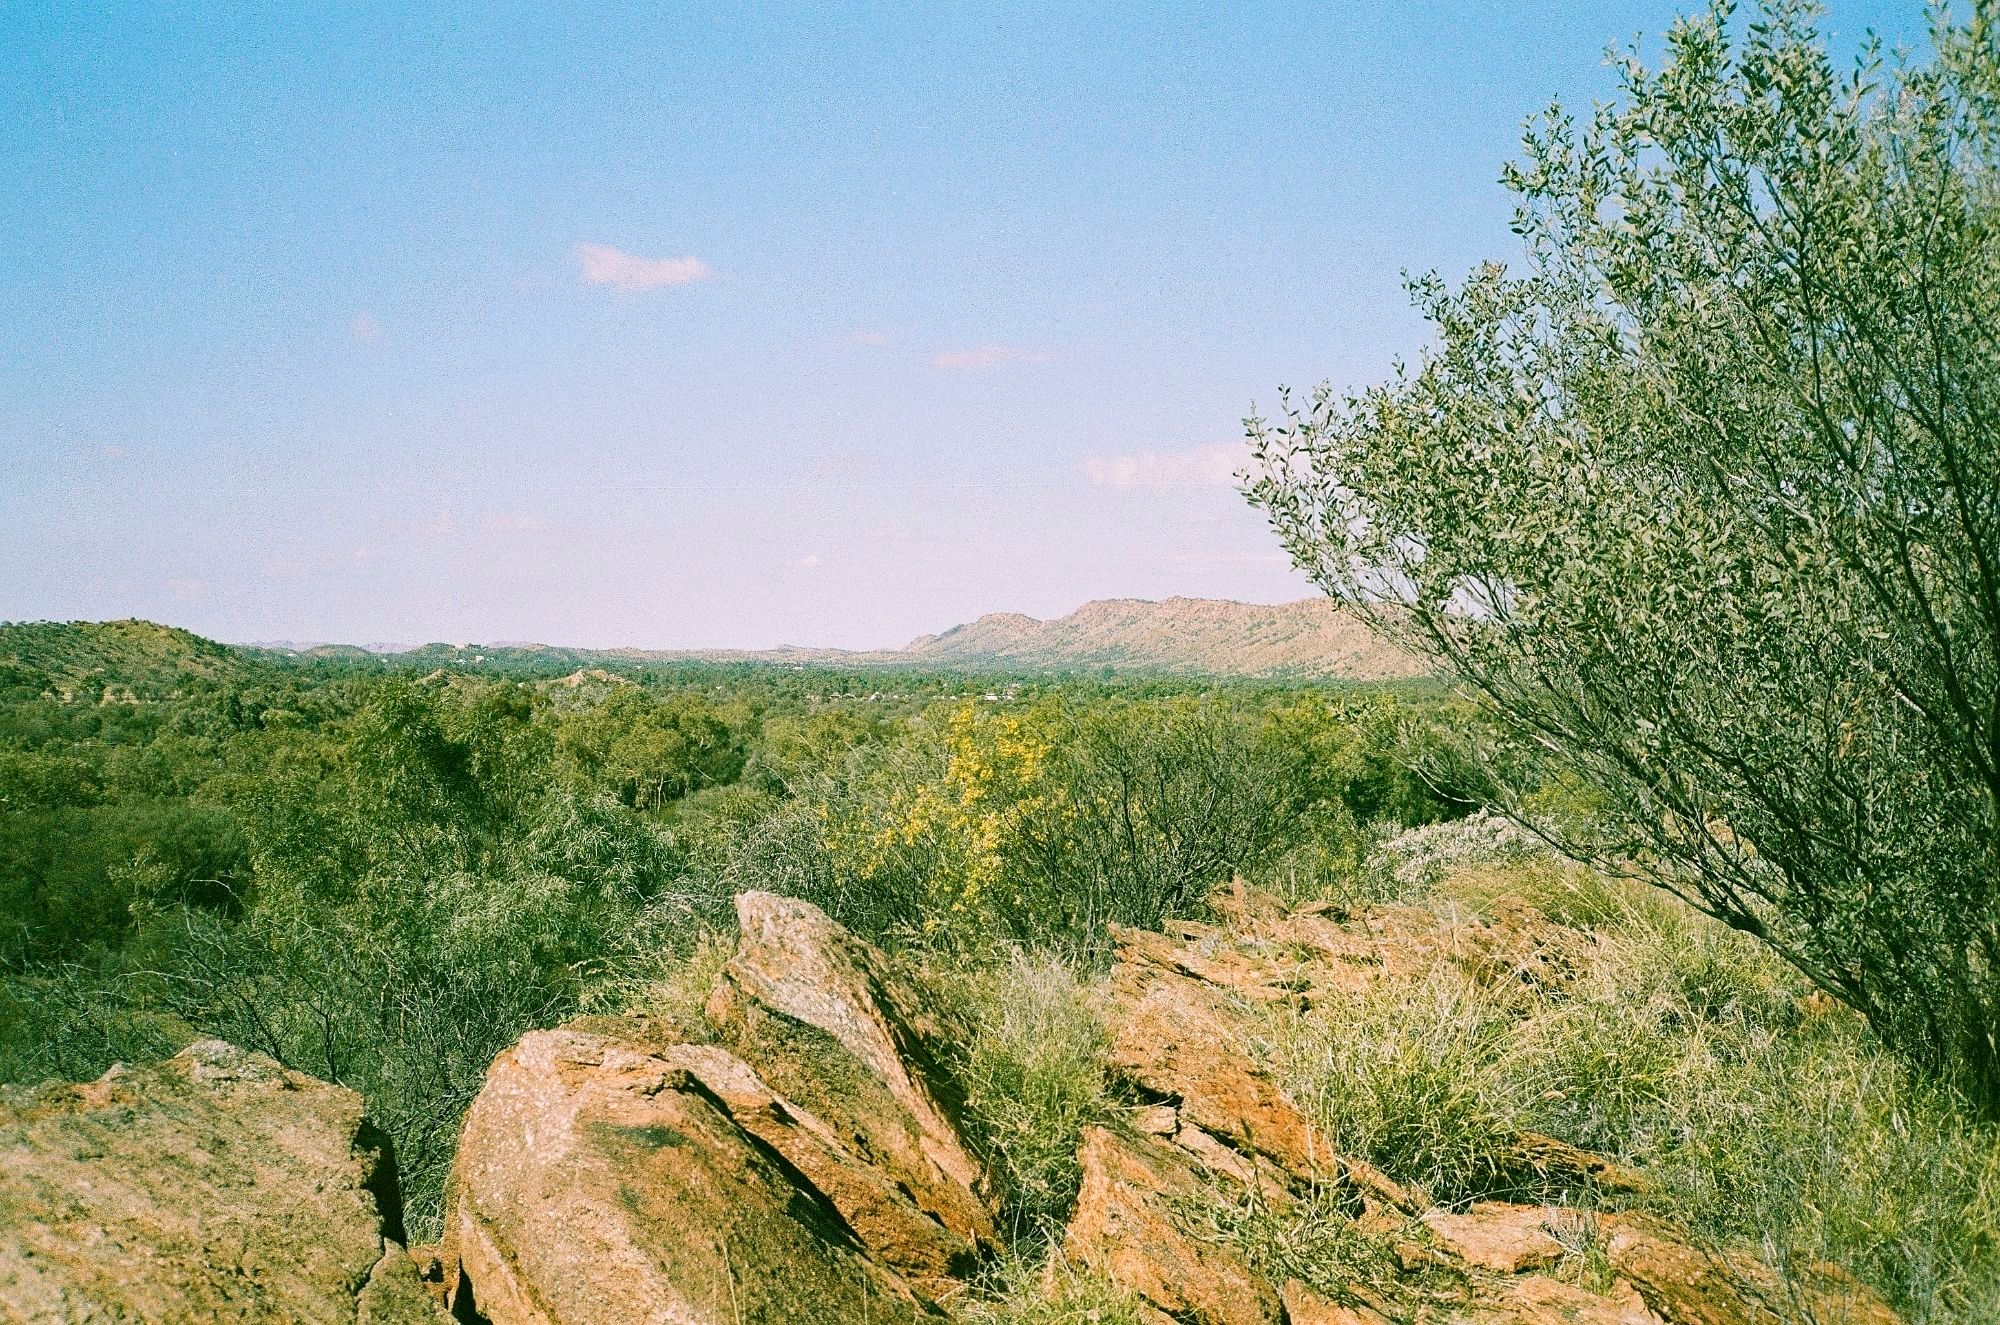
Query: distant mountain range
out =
(1310, 639)
(1314, 637)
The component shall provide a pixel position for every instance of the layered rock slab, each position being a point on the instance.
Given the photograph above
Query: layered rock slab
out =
(809, 1167)
(597, 1181)
(821, 1015)
(1507, 1239)
(806, 1168)
(1184, 1010)
(1184, 1018)
(213, 1186)
(1689, 1284)
(1125, 1228)
(1178, 1036)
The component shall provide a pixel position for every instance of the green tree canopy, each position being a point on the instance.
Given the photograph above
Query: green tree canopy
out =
(651, 751)
(1703, 498)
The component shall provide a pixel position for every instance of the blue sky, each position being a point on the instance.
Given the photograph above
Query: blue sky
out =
(680, 326)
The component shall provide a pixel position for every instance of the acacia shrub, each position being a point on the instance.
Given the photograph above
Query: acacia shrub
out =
(1703, 501)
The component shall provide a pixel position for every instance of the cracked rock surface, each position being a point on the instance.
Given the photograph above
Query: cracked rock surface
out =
(213, 1186)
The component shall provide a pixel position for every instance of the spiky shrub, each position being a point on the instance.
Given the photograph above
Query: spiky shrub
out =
(1704, 500)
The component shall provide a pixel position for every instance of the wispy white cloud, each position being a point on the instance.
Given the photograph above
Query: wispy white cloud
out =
(987, 356)
(865, 337)
(365, 328)
(604, 265)
(112, 452)
(1211, 466)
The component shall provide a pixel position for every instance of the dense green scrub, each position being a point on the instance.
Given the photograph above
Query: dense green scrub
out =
(383, 877)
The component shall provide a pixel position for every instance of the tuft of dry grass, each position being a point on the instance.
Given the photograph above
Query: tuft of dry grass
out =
(1029, 1290)
(668, 983)
(1034, 1074)
(1681, 1048)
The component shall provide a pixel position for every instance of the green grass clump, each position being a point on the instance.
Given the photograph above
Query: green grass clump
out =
(1034, 1075)
(1767, 1117)
(1316, 1241)
(668, 981)
(1027, 1291)
(1760, 1115)
(1414, 1078)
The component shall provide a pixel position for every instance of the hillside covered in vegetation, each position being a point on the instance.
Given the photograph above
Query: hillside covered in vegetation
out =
(386, 879)
(111, 659)
(1313, 638)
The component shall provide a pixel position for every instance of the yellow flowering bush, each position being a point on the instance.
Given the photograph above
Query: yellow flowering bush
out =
(940, 832)
(1042, 823)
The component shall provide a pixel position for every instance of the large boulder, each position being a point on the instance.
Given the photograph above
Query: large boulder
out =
(826, 1020)
(597, 1181)
(806, 1166)
(214, 1186)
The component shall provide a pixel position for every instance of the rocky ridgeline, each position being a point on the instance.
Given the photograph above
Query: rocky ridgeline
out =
(798, 1159)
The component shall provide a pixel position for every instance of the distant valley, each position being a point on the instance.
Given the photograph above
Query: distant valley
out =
(1313, 638)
